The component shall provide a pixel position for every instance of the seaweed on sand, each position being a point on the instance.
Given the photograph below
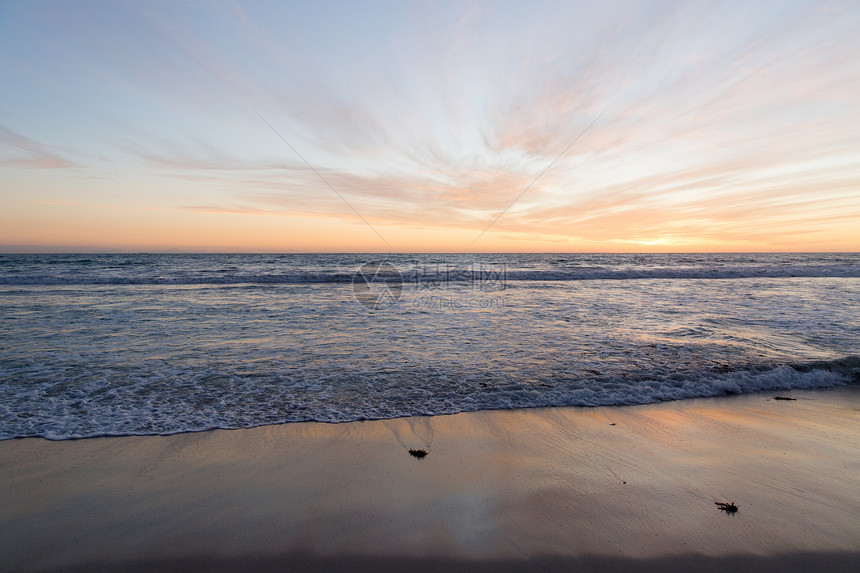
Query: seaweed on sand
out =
(727, 507)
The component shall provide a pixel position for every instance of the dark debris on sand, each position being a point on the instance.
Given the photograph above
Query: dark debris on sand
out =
(727, 507)
(418, 453)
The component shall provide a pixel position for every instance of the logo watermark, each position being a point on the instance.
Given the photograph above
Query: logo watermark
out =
(379, 286)
(435, 302)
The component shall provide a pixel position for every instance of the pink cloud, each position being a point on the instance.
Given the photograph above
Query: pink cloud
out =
(19, 151)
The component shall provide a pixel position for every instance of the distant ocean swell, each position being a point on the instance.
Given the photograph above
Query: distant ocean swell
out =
(424, 275)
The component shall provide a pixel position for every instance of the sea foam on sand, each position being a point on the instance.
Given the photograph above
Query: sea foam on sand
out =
(610, 488)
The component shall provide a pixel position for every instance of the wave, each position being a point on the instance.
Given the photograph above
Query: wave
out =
(492, 276)
(109, 413)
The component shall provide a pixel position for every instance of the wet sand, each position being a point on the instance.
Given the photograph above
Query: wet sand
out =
(591, 489)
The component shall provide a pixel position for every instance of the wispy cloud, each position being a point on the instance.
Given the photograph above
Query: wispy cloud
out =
(203, 158)
(19, 151)
(723, 123)
(40, 202)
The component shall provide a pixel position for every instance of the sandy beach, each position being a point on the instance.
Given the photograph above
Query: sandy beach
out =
(562, 489)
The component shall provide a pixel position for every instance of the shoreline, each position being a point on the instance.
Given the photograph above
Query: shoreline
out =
(605, 488)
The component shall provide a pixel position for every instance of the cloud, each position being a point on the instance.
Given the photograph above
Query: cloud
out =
(41, 202)
(19, 151)
(722, 122)
(205, 158)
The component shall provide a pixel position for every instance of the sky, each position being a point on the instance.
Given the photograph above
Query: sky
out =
(646, 126)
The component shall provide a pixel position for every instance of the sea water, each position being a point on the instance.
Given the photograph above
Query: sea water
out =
(128, 344)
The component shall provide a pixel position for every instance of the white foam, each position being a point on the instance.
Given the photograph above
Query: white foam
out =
(116, 413)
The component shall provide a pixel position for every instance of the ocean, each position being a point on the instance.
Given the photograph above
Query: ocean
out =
(141, 344)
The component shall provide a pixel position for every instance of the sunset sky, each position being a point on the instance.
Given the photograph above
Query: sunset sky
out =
(128, 126)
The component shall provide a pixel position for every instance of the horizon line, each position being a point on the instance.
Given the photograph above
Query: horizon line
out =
(47, 251)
